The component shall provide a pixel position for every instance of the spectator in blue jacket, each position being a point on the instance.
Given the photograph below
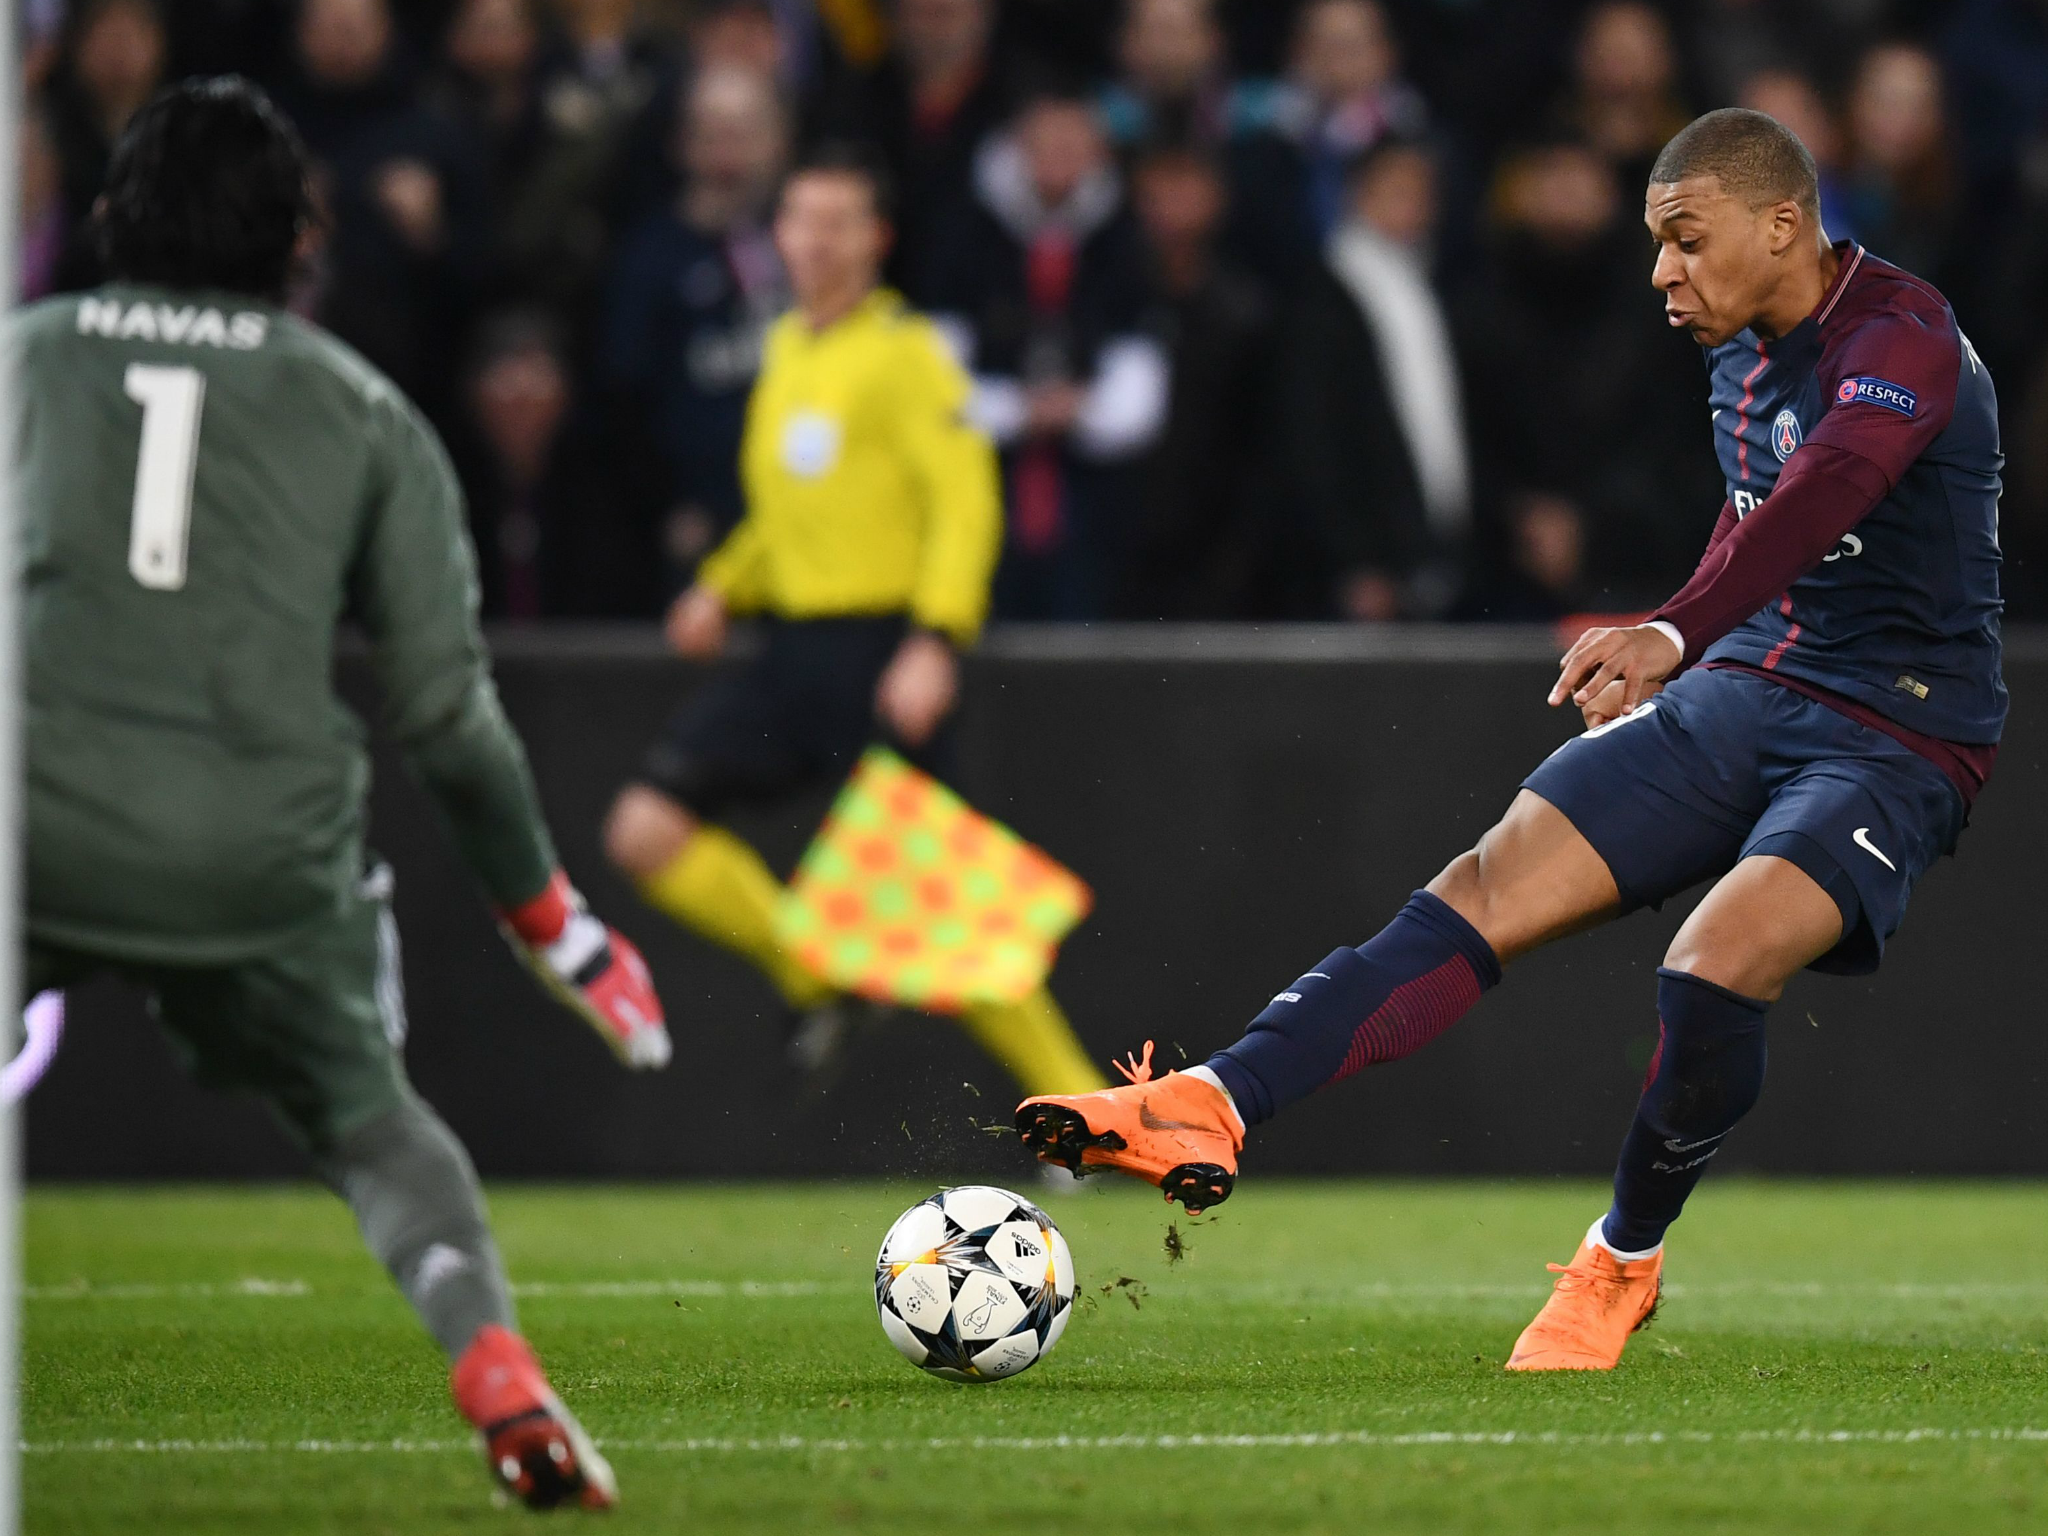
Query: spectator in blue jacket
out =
(405, 185)
(695, 289)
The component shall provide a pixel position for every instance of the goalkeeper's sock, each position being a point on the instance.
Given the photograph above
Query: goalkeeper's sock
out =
(1382, 1001)
(1035, 1043)
(415, 1197)
(719, 887)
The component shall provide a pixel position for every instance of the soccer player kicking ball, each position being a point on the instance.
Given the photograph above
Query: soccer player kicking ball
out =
(1805, 723)
(206, 486)
(873, 522)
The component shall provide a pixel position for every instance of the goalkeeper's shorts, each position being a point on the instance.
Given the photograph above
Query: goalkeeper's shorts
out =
(316, 1028)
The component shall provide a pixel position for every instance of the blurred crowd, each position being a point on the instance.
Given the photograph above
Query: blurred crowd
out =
(1309, 309)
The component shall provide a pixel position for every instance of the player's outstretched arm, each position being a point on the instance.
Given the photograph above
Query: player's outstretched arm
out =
(414, 589)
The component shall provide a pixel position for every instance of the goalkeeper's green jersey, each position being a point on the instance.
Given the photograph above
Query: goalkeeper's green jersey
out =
(208, 487)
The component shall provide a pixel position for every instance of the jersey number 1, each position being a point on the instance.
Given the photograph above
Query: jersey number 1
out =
(160, 528)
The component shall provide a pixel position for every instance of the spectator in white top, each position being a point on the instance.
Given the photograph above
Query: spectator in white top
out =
(1372, 413)
(1042, 285)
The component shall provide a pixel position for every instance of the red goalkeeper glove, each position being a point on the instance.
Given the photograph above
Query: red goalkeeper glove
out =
(595, 971)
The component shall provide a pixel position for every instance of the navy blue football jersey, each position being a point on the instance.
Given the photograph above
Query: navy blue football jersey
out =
(1880, 410)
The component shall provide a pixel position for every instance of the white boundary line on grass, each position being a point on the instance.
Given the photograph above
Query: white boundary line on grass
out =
(779, 1290)
(155, 1291)
(801, 1444)
(758, 1290)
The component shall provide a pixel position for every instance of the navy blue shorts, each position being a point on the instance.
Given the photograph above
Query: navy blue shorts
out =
(1722, 765)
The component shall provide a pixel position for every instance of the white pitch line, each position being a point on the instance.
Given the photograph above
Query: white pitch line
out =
(773, 1290)
(801, 1444)
(122, 1291)
(757, 1290)
(1787, 1289)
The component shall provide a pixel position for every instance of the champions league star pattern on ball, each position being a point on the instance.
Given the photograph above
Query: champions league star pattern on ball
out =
(974, 1284)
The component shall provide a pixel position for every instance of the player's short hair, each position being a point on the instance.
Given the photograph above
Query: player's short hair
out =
(1751, 154)
(849, 158)
(208, 188)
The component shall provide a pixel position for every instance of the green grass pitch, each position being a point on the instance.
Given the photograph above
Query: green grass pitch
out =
(1326, 1357)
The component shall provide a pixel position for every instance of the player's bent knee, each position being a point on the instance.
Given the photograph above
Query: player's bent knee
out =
(645, 830)
(1758, 928)
(1477, 894)
(1462, 878)
(1731, 960)
(1532, 878)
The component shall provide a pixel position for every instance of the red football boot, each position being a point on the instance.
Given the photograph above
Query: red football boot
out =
(535, 1447)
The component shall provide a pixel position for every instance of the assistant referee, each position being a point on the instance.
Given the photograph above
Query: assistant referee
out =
(872, 527)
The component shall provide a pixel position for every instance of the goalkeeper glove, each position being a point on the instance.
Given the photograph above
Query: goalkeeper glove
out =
(593, 970)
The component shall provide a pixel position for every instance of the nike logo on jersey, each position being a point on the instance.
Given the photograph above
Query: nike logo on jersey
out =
(1862, 837)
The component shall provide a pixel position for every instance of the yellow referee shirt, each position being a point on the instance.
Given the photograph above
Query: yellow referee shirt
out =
(867, 492)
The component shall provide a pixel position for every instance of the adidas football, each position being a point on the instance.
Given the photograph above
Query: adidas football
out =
(974, 1284)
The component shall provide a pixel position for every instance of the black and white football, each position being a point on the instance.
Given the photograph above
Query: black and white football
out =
(974, 1284)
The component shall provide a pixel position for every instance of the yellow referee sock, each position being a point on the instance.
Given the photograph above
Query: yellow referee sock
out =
(1034, 1041)
(719, 887)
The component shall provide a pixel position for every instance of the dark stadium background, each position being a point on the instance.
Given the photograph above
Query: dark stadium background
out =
(1293, 667)
(1241, 805)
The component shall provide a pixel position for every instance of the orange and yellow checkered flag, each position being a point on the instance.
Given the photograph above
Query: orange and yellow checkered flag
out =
(909, 895)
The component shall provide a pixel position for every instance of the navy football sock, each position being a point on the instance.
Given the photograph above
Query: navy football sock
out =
(1379, 1002)
(1708, 1071)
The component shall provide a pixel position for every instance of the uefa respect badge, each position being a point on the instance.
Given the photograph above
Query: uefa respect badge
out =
(1873, 391)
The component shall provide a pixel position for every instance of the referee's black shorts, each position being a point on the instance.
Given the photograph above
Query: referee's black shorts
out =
(792, 717)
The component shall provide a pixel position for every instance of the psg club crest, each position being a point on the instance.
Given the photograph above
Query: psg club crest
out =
(1785, 435)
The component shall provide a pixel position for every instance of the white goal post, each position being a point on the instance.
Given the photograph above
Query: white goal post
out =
(10, 812)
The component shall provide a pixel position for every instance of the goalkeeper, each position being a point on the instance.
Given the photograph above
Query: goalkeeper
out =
(873, 520)
(206, 485)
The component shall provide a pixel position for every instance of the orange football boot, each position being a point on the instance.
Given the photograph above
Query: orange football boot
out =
(536, 1449)
(1177, 1132)
(1598, 1302)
